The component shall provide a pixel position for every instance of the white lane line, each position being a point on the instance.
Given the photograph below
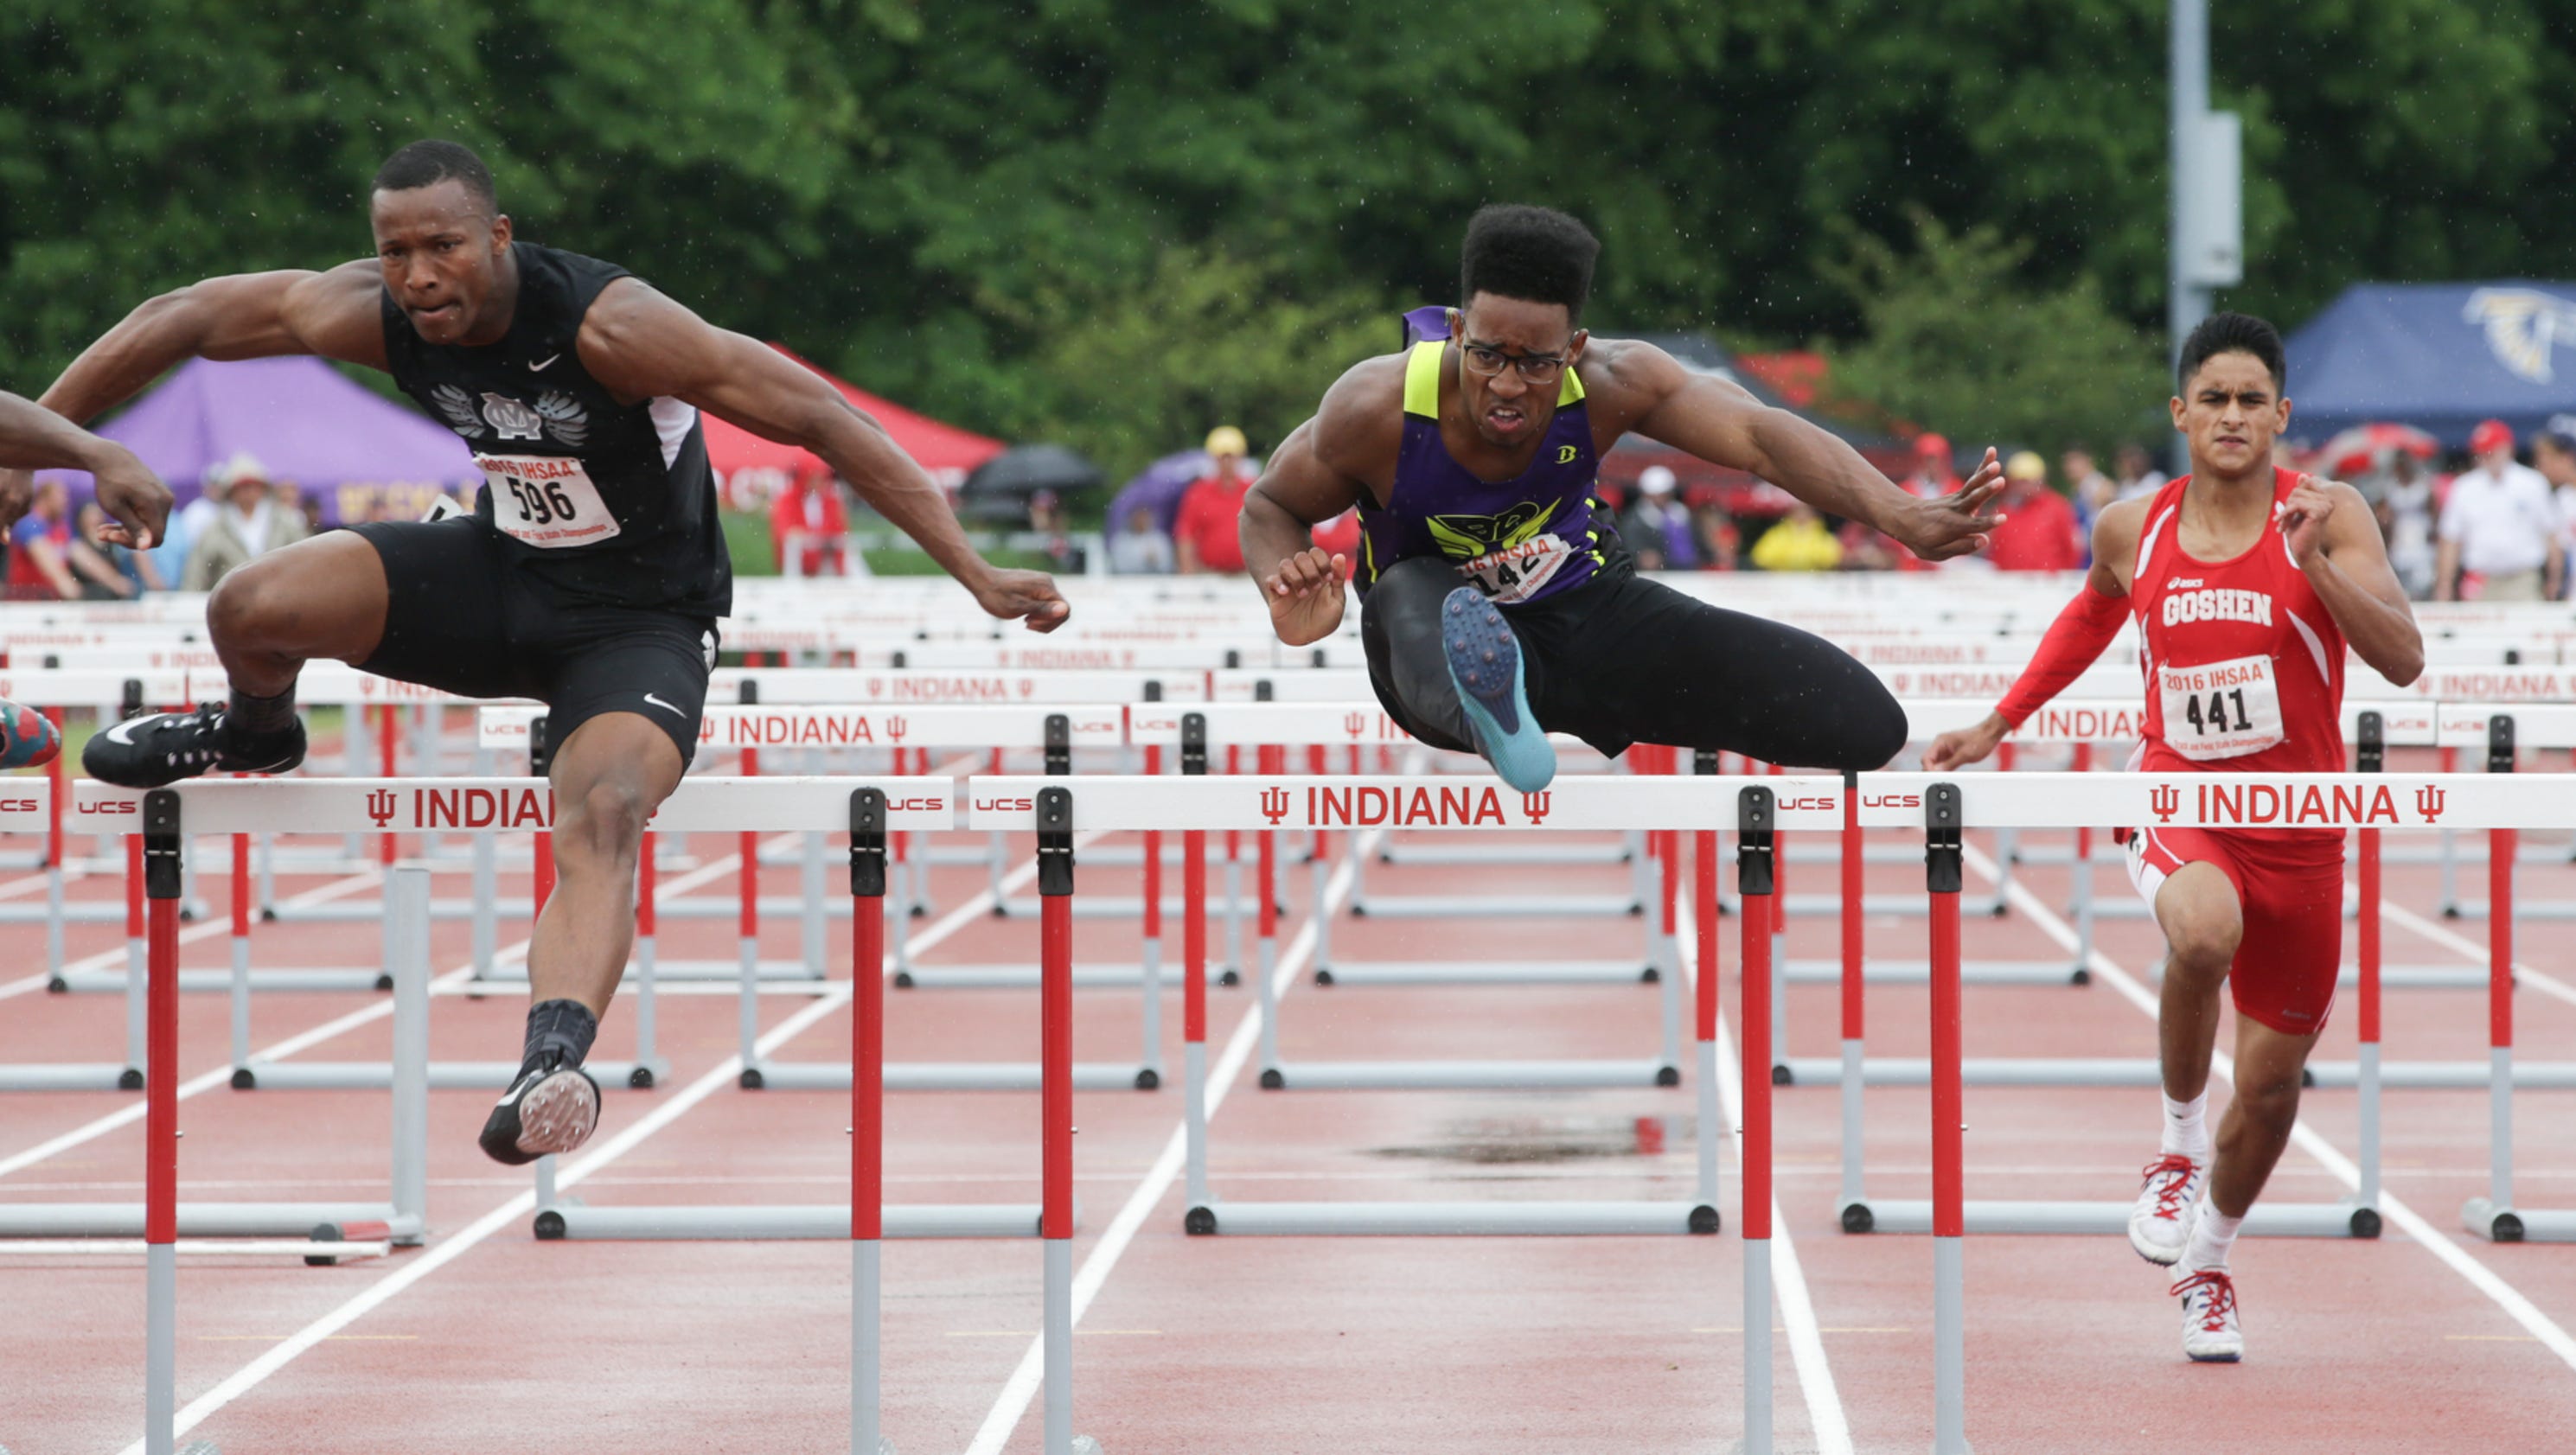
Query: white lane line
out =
(447, 1251)
(378, 1010)
(1825, 1413)
(2522, 1311)
(1022, 1387)
(214, 926)
(2475, 953)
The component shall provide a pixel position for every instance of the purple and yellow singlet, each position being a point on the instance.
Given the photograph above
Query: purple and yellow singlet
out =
(1518, 540)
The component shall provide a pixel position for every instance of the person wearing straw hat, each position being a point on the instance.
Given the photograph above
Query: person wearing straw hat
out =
(2247, 582)
(589, 577)
(1203, 538)
(35, 438)
(246, 524)
(1501, 604)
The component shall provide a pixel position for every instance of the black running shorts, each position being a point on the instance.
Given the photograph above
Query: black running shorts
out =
(459, 618)
(1621, 660)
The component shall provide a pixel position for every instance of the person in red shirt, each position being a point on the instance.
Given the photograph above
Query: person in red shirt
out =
(2247, 583)
(1203, 533)
(2038, 531)
(1340, 536)
(809, 515)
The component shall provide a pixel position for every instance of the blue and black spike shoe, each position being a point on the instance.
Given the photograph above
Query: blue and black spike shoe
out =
(1485, 667)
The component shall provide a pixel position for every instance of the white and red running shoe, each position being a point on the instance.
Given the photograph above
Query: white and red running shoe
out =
(2210, 1334)
(2169, 1198)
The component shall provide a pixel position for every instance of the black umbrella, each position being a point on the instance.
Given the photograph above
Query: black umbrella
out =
(999, 489)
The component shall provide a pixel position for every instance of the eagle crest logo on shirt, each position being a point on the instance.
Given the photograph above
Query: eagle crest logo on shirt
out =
(458, 406)
(565, 419)
(2523, 327)
(1469, 537)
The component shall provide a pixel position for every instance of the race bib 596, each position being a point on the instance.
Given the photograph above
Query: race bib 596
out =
(546, 500)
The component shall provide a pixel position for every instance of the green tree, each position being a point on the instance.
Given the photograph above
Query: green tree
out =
(1955, 340)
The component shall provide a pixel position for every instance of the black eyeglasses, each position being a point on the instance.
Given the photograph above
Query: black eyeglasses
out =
(1488, 361)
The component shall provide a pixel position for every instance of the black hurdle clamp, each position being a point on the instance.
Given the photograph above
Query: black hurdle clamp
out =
(2500, 743)
(2370, 748)
(1194, 743)
(1059, 744)
(540, 755)
(1055, 841)
(868, 843)
(1755, 816)
(161, 878)
(1943, 869)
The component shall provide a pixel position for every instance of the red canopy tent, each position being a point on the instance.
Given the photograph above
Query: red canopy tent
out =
(750, 469)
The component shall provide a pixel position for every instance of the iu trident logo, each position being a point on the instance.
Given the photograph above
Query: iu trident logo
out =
(1274, 804)
(895, 728)
(1355, 723)
(2429, 801)
(2166, 800)
(1535, 805)
(380, 806)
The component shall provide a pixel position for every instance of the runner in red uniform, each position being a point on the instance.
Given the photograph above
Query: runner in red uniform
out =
(2247, 583)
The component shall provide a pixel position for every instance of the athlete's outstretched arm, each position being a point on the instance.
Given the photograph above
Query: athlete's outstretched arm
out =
(33, 437)
(1720, 422)
(2336, 543)
(640, 345)
(1300, 581)
(2074, 642)
(244, 316)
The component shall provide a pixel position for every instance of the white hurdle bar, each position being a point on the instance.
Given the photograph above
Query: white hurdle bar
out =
(1268, 802)
(30, 807)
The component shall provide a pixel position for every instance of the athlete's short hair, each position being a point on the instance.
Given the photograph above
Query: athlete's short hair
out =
(424, 163)
(2231, 333)
(1536, 254)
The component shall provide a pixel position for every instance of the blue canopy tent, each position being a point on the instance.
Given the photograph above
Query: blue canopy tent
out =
(2439, 356)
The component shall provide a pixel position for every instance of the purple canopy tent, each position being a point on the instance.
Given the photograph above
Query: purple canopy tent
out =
(358, 454)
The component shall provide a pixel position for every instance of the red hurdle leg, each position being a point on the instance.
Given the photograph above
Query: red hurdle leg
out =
(747, 931)
(161, 848)
(1704, 1020)
(1055, 1216)
(241, 959)
(647, 918)
(1949, 1346)
(1199, 1219)
(1755, 886)
(386, 848)
(2366, 1017)
(137, 968)
(1855, 932)
(1149, 1072)
(867, 1108)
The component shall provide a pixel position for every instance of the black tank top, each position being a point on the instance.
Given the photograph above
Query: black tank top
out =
(607, 502)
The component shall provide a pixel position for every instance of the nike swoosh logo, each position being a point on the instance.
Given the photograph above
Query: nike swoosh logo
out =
(514, 1093)
(666, 707)
(123, 732)
(539, 366)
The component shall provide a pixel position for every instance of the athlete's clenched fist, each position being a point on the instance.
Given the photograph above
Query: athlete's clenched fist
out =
(1304, 593)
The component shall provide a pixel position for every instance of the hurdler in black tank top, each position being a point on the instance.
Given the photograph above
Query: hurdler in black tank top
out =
(605, 502)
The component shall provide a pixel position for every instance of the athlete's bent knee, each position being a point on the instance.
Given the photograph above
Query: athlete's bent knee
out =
(2204, 942)
(1878, 731)
(2271, 1102)
(243, 611)
(605, 823)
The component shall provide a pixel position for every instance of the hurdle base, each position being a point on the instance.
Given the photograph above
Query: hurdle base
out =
(949, 1076)
(70, 1077)
(1465, 1075)
(213, 981)
(514, 976)
(2518, 1225)
(1975, 1071)
(1025, 977)
(1515, 906)
(573, 1222)
(2444, 1075)
(2107, 1219)
(1919, 972)
(1476, 972)
(350, 1221)
(1449, 1219)
(262, 1075)
(1392, 852)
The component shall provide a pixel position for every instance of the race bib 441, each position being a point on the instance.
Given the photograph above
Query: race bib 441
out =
(546, 500)
(2220, 709)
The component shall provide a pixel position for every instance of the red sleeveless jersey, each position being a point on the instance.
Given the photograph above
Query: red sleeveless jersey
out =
(2244, 664)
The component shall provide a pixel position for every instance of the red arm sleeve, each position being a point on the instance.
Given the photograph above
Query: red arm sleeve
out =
(2074, 642)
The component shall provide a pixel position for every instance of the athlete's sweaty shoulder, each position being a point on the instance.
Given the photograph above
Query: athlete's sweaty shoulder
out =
(2115, 545)
(1359, 428)
(1624, 379)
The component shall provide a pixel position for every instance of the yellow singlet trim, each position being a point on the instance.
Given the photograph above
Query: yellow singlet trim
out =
(1422, 379)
